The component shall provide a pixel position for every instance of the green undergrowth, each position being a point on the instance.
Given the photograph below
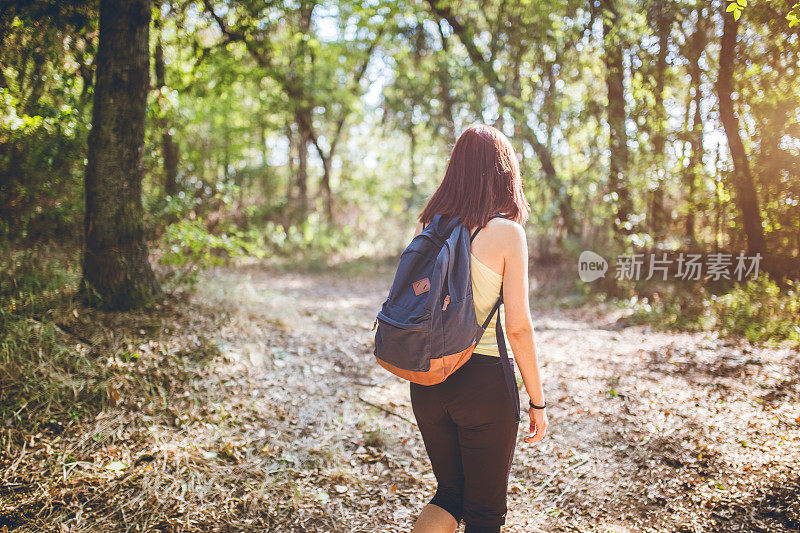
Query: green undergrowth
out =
(551, 291)
(759, 310)
(48, 378)
(189, 246)
(47, 382)
(61, 363)
(34, 280)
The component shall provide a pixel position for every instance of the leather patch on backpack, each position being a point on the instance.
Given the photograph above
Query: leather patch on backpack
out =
(423, 285)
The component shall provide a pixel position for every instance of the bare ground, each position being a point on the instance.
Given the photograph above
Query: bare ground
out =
(288, 425)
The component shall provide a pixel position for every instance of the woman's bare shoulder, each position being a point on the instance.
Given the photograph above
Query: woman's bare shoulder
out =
(506, 229)
(506, 237)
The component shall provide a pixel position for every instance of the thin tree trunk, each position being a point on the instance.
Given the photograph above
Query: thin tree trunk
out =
(6, 16)
(262, 130)
(170, 152)
(116, 271)
(663, 29)
(741, 177)
(288, 212)
(86, 67)
(412, 166)
(296, 92)
(446, 92)
(549, 99)
(37, 82)
(169, 149)
(562, 197)
(303, 140)
(797, 235)
(663, 25)
(519, 128)
(618, 138)
(326, 188)
(693, 169)
(717, 200)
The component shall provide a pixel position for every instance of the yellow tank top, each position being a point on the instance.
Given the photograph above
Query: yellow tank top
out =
(485, 291)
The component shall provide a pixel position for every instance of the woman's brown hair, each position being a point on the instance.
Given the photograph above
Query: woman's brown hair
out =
(482, 179)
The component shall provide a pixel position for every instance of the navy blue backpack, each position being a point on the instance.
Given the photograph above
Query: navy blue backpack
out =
(427, 328)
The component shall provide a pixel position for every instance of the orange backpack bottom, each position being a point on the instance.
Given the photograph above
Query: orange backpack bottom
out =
(441, 368)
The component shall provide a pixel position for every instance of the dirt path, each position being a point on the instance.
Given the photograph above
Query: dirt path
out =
(650, 431)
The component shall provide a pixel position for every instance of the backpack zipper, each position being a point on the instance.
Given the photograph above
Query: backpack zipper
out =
(400, 325)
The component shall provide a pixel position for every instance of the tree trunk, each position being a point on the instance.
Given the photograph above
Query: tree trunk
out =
(618, 138)
(562, 197)
(301, 210)
(549, 97)
(446, 91)
(797, 235)
(326, 188)
(169, 149)
(412, 167)
(288, 212)
(663, 25)
(116, 271)
(692, 170)
(718, 207)
(303, 110)
(741, 177)
(6, 17)
(519, 128)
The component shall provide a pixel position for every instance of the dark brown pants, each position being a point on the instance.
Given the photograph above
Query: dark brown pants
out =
(468, 424)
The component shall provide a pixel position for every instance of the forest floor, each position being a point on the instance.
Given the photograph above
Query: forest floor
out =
(254, 404)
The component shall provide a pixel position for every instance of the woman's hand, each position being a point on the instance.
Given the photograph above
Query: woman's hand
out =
(538, 424)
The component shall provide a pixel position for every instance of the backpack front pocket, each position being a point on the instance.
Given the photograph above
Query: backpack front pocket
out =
(406, 346)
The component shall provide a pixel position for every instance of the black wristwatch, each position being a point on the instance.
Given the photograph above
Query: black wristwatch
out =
(534, 406)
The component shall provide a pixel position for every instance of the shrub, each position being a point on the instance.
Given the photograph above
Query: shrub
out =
(757, 309)
(190, 246)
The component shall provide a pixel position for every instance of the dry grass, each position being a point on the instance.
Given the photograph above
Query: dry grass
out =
(250, 406)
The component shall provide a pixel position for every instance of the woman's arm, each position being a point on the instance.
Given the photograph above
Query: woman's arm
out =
(519, 324)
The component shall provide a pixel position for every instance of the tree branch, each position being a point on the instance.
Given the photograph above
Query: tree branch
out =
(466, 36)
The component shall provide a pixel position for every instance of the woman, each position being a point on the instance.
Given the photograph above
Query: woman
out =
(469, 421)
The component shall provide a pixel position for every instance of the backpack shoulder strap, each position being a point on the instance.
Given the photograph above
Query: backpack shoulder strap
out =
(451, 223)
(435, 219)
(475, 233)
(494, 310)
(508, 370)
